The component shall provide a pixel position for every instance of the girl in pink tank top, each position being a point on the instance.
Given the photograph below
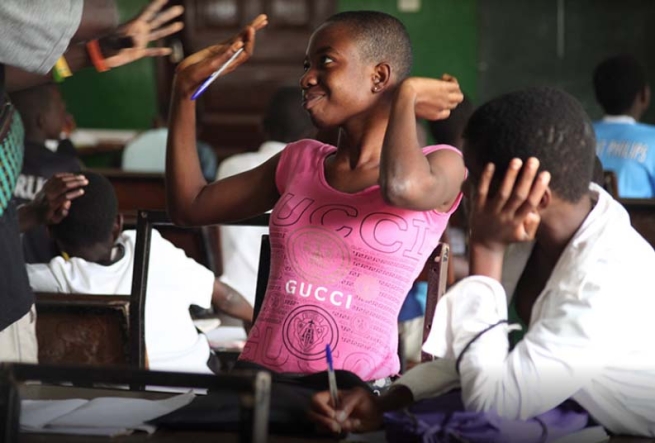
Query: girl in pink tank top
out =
(353, 224)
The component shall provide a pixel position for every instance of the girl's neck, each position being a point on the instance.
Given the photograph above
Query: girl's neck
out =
(360, 141)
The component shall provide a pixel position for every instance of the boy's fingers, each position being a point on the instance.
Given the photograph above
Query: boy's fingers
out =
(536, 194)
(522, 187)
(321, 404)
(483, 187)
(259, 22)
(507, 185)
(152, 9)
(166, 16)
(165, 31)
(325, 422)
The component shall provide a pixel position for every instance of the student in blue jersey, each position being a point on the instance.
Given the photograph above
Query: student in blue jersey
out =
(625, 146)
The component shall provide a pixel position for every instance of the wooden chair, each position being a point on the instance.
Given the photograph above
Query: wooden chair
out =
(254, 389)
(83, 329)
(642, 216)
(263, 272)
(611, 183)
(437, 278)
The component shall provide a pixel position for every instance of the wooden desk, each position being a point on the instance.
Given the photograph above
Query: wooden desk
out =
(37, 392)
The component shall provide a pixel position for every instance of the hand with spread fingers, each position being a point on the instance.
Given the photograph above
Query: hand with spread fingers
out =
(150, 25)
(358, 412)
(193, 70)
(52, 202)
(434, 98)
(509, 215)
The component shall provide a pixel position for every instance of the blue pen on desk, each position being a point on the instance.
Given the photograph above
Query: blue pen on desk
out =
(216, 73)
(332, 380)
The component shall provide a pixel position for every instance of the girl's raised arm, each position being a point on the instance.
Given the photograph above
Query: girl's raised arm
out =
(408, 178)
(190, 200)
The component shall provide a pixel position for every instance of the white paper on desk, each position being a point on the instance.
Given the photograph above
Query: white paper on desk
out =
(594, 434)
(100, 416)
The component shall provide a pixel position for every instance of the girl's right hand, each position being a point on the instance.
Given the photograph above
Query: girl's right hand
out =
(195, 69)
(433, 99)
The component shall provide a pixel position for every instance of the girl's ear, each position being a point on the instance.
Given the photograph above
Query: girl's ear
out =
(545, 199)
(381, 77)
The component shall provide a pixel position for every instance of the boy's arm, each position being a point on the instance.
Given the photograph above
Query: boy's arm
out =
(408, 178)
(119, 46)
(230, 301)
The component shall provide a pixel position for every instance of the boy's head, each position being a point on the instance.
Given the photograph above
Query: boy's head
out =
(546, 123)
(42, 110)
(92, 222)
(621, 87)
(449, 131)
(285, 120)
(380, 38)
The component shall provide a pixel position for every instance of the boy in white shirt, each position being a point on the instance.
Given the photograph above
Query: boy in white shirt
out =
(98, 258)
(578, 276)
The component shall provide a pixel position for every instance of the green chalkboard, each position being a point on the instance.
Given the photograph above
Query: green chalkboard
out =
(559, 42)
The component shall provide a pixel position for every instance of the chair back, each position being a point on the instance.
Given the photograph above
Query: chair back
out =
(642, 216)
(83, 329)
(611, 183)
(263, 273)
(437, 277)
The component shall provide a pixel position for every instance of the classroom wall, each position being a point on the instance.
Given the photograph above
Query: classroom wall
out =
(123, 98)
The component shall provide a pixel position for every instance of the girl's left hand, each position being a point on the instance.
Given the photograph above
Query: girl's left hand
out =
(434, 98)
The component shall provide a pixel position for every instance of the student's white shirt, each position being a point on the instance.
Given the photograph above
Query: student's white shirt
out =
(240, 244)
(174, 282)
(590, 336)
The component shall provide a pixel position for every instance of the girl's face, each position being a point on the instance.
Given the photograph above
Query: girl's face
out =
(337, 84)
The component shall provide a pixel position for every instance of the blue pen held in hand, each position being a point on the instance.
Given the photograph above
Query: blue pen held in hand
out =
(216, 73)
(332, 381)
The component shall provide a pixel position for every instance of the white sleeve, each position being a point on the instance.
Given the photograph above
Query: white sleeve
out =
(430, 379)
(179, 274)
(34, 34)
(42, 278)
(563, 350)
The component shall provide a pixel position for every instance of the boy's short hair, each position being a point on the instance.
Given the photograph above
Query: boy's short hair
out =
(91, 216)
(285, 119)
(617, 82)
(546, 123)
(381, 37)
(449, 131)
(30, 103)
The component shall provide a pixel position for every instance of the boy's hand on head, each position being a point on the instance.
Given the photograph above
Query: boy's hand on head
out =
(433, 99)
(510, 215)
(148, 26)
(358, 412)
(194, 70)
(52, 202)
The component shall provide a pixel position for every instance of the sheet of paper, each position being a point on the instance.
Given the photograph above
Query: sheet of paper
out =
(107, 416)
(594, 434)
(36, 414)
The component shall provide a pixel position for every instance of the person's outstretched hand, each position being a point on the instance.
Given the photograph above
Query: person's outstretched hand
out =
(434, 98)
(358, 412)
(148, 26)
(194, 69)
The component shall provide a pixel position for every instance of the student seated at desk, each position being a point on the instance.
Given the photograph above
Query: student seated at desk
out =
(98, 259)
(577, 276)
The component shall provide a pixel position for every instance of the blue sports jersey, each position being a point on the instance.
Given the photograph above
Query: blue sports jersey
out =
(628, 149)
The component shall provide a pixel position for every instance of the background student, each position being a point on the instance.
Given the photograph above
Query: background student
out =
(625, 146)
(98, 258)
(563, 252)
(351, 224)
